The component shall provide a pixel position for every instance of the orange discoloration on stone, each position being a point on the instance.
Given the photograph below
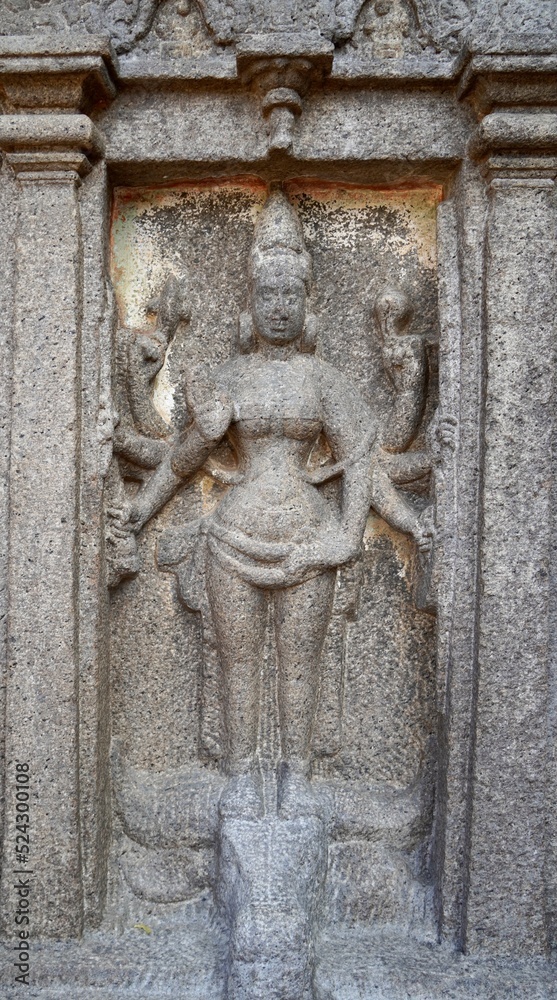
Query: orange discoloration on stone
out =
(403, 547)
(178, 229)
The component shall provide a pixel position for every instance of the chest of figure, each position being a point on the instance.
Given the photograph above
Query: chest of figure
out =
(277, 400)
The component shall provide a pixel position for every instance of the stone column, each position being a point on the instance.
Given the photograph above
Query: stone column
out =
(48, 153)
(506, 908)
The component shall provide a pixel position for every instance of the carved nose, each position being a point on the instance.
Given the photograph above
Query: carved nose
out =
(281, 309)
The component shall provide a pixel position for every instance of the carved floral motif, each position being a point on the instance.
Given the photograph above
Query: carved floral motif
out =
(188, 26)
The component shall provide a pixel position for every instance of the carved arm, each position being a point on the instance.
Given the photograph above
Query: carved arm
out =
(393, 507)
(134, 447)
(405, 363)
(348, 423)
(208, 427)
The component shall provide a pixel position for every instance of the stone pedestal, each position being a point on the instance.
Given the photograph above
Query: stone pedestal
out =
(271, 880)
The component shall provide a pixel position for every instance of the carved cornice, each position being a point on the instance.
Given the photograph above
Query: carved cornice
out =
(494, 81)
(65, 73)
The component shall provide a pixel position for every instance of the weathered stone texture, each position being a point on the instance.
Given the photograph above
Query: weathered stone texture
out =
(44, 448)
(516, 544)
(277, 498)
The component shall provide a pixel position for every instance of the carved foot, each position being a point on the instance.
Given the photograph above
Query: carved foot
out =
(242, 798)
(297, 796)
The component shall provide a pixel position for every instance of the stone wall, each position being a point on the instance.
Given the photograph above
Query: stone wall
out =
(277, 428)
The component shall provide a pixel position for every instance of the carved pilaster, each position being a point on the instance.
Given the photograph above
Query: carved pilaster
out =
(49, 153)
(510, 790)
(54, 148)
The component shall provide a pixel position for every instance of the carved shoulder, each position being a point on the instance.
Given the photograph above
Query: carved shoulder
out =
(347, 417)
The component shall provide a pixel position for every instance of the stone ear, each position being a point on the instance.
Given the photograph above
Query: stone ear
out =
(246, 333)
(308, 339)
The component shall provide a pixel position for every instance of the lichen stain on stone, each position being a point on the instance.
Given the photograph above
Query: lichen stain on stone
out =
(139, 263)
(159, 231)
(406, 216)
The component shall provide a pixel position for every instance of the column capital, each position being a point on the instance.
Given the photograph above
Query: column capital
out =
(49, 144)
(48, 85)
(517, 146)
(497, 80)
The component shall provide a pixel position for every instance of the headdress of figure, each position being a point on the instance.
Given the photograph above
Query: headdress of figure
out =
(278, 240)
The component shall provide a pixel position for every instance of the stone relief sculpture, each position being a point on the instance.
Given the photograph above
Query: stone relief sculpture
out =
(177, 30)
(445, 25)
(183, 27)
(301, 457)
(305, 748)
(127, 20)
(389, 27)
(274, 411)
(139, 431)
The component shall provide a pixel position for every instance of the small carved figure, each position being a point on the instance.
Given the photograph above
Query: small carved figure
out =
(388, 25)
(405, 363)
(139, 434)
(274, 532)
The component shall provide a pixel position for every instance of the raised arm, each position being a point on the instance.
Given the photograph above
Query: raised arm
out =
(210, 422)
(367, 480)
(405, 362)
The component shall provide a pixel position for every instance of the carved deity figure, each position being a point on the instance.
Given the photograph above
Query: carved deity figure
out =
(388, 26)
(276, 534)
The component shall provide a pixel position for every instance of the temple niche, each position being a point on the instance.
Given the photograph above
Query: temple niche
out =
(278, 681)
(182, 257)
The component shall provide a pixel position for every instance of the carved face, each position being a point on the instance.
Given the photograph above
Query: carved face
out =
(278, 302)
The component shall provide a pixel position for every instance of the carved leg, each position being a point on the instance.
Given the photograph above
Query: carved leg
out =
(240, 618)
(302, 616)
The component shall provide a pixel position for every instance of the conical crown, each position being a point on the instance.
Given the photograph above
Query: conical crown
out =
(278, 235)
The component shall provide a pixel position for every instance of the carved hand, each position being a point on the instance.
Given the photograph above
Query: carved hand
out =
(118, 521)
(213, 418)
(333, 547)
(140, 511)
(404, 360)
(447, 432)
